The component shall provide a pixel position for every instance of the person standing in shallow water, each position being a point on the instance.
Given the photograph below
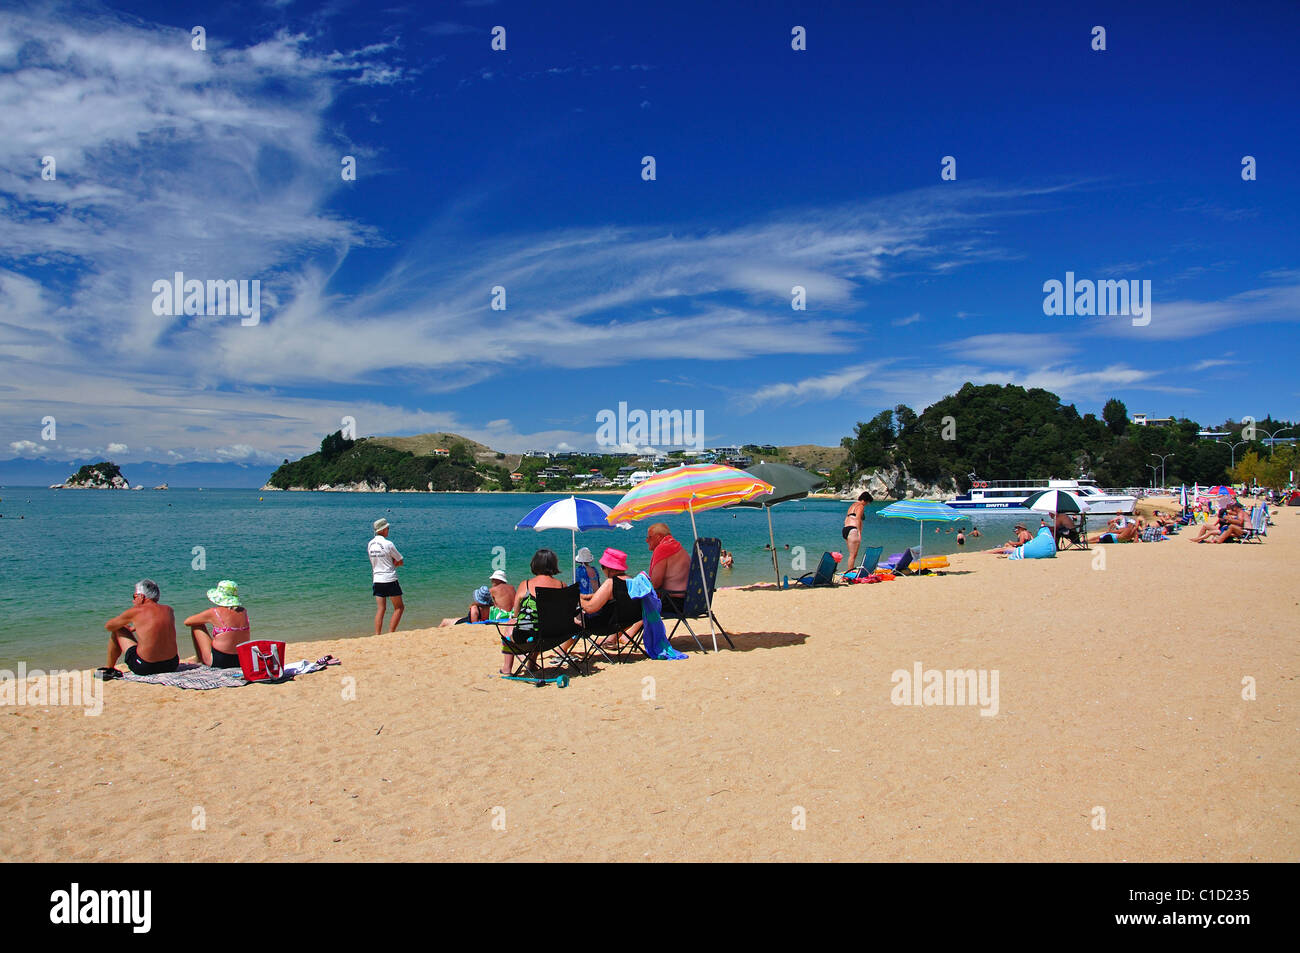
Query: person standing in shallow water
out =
(384, 560)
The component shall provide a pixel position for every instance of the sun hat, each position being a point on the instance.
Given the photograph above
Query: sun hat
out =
(381, 524)
(226, 594)
(500, 575)
(614, 559)
(584, 556)
(483, 595)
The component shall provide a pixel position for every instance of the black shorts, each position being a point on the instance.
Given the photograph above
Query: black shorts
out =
(140, 667)
(386, 588)
(669, 602)
(221, 659)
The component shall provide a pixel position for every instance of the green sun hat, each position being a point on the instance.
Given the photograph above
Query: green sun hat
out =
(226, 594)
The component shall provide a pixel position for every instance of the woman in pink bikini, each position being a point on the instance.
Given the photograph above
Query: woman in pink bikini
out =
(229, 627)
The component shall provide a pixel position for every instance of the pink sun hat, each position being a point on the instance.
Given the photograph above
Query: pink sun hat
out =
(614, 559)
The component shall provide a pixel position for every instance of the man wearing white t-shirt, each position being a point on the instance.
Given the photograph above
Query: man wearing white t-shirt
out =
(384, 560)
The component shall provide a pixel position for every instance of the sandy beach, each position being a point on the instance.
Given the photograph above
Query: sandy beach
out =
(1120, 688)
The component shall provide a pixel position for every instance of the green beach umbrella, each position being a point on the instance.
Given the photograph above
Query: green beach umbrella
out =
(921, 510)
(788, 483)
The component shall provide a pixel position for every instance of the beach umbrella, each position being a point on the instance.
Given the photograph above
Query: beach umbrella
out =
(688, 489)
(1055, 501)
(921, 510)
(788, 483)
(574, 513)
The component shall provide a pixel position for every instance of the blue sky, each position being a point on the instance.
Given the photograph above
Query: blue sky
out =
(522, 169)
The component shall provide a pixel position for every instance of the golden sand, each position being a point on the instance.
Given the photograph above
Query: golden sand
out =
(1120, 689)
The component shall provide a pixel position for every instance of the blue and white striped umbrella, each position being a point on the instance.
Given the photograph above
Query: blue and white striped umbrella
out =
(576, 514)
(921, 510)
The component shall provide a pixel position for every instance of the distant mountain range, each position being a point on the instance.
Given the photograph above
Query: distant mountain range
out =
(45, 473)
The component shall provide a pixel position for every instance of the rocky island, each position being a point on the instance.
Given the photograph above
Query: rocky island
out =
(95, 476)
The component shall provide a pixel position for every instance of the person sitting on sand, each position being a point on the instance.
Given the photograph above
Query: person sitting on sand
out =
(503, 596)
(479, 607)
(599, 606)
(229, 627)
(146, 633)
(852, 529)
(1022, 536)
(670, 566)
(584, 572)
(545, 565)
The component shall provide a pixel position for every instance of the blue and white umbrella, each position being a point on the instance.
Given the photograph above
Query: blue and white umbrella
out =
(921, 510)
(576, 514)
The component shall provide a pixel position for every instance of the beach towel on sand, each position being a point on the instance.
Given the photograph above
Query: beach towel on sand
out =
(1042, 546)
(189, 675)
(202, 678)
(654, 636)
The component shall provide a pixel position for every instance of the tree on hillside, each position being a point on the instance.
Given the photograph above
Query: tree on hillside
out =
(334, 446)
(1116, 416)
(870, 445)
(459, 452)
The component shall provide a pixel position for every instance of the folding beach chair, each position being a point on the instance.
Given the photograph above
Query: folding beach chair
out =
(1257, 529)
(898, 562)
(624, 612)
(824, 574)
(556, 613)
(695, 605)
(870, 559)
(1076, 539)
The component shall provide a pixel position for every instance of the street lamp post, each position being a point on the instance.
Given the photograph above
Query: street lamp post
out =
(1162, 460)
(1239, 443)
(1153, 468)
(1271, 439)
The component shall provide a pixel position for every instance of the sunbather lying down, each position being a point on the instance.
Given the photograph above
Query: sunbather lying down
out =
(1121, 529)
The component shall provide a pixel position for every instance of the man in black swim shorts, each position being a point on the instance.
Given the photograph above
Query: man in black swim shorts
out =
(146, 632)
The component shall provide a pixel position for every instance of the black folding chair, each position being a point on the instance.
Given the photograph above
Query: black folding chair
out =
(1076, 539)
(619, 615)
(695, 605)
(557, 610)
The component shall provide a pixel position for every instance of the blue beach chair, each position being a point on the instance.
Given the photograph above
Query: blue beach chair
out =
(824, 574)
(695, 605)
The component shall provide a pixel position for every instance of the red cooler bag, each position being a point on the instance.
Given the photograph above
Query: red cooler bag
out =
(261, 659)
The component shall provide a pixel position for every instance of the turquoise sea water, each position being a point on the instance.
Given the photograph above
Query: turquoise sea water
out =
(69, 559)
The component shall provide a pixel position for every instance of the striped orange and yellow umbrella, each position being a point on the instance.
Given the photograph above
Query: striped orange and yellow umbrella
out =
(698, 486)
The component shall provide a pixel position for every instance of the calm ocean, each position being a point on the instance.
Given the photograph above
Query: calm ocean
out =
(69, 558)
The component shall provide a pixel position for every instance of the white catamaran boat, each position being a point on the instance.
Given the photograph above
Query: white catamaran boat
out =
(1009, 494)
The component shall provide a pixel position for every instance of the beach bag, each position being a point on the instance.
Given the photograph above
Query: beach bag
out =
(262, 660)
